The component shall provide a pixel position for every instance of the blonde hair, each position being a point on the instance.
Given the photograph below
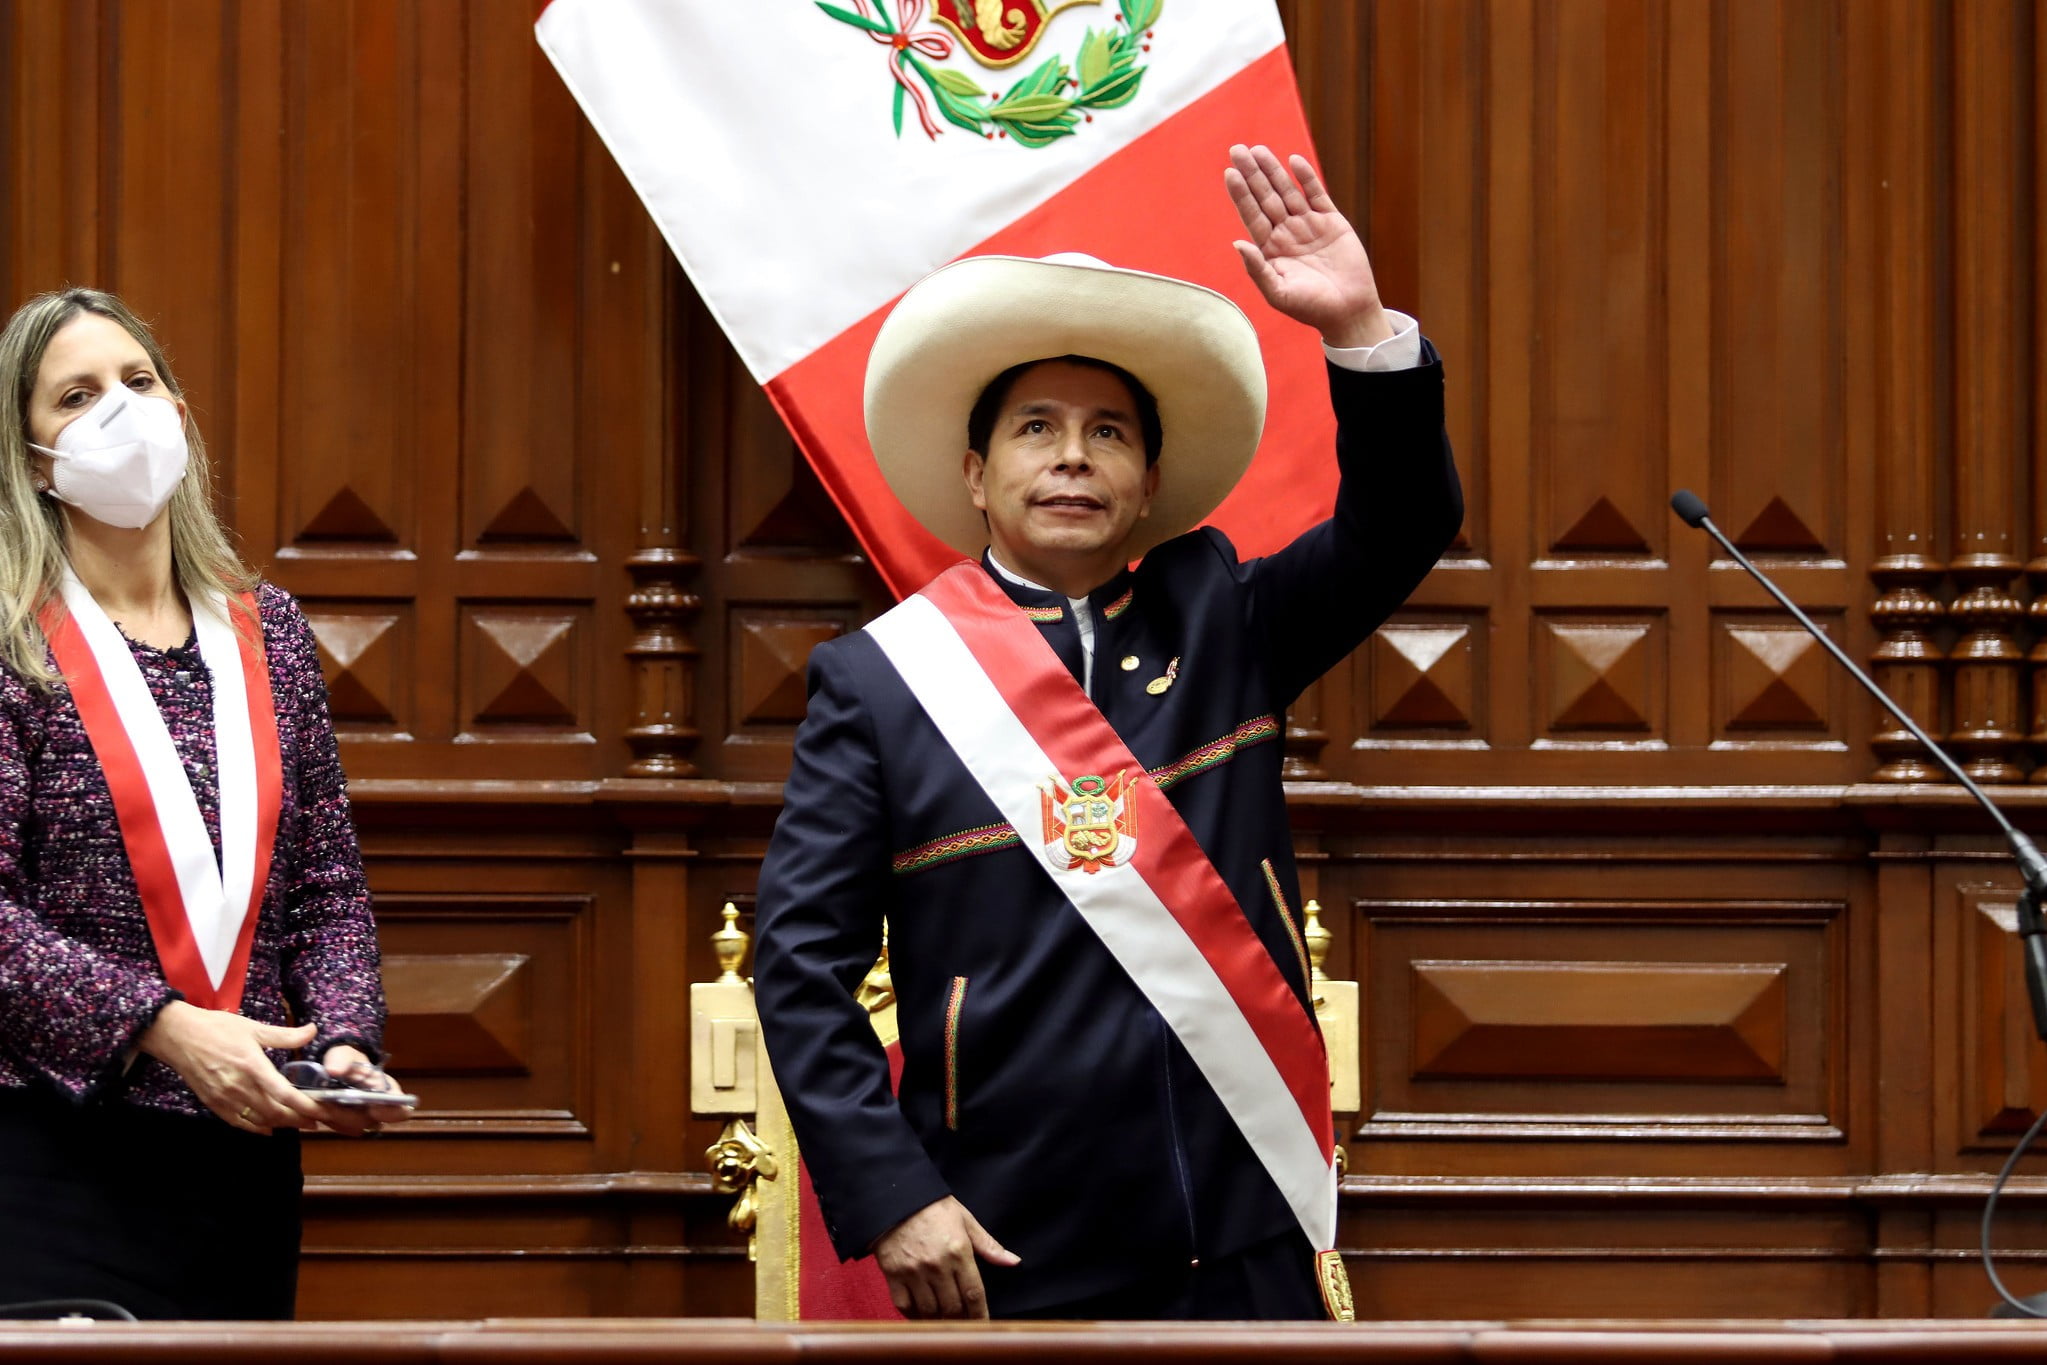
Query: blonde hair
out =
(32, 557)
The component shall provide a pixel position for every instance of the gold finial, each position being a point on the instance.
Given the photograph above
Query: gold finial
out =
(877, 990)
(730, 943)
(1319, 940)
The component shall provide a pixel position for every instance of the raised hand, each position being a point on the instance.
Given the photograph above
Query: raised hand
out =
(1303, 254)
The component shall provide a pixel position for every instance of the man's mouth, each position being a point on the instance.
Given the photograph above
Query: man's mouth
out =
(1071, 502)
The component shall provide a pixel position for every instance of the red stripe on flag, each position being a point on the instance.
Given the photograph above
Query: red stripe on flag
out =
(826, 1287)
(1073, 734)
(1158, 205)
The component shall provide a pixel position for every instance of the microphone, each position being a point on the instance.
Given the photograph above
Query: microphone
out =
(2032, 866)
(1687, 505)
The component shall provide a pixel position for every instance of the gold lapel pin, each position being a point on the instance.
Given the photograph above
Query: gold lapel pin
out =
(1129, 662)
(1157, 686)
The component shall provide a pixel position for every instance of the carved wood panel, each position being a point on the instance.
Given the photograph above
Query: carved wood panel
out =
(490, 999)
(1646, 292)
(784, 573)
(1646, 1020)
(1999, 1071)
(412, 314)
(549, 533)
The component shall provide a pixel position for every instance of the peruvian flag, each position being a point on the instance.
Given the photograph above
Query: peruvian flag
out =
(809, 160)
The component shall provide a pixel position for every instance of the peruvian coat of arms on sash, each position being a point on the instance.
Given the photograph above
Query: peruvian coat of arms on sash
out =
(1088, 824)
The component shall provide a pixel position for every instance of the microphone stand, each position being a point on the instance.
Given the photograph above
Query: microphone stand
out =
(2032, 866)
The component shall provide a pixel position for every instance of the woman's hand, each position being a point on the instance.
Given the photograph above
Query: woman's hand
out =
(220, 1055)
(351, 1065)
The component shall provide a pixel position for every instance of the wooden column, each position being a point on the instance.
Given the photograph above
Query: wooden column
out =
(1326, 41)
(1991, 284)
(2037, 568)
(1894, 54)
(663, 729)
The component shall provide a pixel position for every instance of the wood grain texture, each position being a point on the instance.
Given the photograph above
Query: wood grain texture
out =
(1666, 1015)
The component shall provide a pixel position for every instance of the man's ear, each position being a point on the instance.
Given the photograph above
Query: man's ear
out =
(1151, 490)
(972, 467)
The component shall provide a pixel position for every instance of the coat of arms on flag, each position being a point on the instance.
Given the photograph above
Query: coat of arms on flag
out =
(999, 32)
(1089, 825)
(1047, 104)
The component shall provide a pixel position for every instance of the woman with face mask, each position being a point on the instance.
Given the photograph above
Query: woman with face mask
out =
(182, 904)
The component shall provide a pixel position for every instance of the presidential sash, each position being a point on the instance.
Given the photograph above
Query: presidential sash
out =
(1048, 758)
(202, 913)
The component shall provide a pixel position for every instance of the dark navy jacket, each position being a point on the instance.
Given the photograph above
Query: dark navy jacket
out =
(1038, 1085)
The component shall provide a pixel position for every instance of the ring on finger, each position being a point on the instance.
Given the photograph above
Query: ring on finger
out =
(247, 1113)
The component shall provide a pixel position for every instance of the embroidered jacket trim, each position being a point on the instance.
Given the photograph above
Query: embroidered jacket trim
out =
(1286, 915)
(969, 843)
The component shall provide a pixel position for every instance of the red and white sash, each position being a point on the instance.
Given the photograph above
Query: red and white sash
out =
(1019, 722)
(202, 914)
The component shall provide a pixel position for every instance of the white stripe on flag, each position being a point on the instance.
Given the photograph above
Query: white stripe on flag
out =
(1119, 905)
(759, 136)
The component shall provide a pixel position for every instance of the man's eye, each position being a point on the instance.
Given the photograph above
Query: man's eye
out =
(1109, 433)
(1035, 427)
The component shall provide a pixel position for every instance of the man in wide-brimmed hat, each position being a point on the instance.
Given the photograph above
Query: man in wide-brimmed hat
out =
(1058, 780)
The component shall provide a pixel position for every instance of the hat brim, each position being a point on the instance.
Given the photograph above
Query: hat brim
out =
(965, 323)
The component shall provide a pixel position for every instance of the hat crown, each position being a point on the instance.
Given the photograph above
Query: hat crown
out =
(965, 323)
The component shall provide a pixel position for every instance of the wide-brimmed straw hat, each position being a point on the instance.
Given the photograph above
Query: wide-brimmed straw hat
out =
(965, 323)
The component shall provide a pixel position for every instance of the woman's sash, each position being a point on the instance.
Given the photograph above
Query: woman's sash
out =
(202, 913)
(1049, 759)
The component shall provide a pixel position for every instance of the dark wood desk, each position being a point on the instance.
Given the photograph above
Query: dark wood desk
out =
(701, 1341)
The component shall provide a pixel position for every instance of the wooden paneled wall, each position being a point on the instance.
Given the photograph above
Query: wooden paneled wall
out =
(1689, 991)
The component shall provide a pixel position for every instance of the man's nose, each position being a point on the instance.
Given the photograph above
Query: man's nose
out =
(1073, 454)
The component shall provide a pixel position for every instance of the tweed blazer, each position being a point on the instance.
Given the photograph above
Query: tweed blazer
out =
(79, 976)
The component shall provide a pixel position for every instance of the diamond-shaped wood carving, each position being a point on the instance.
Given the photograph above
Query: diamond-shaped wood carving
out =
(523, 667)
(777, 501)
(346, 516)
(1778, 528)
(361, 653)
(774, 500)
(459, 1013)
(768, 683)
(1776, 679)
(1599, 1021)
(1601, 677)
(526, 515)
(1422, 677)
(1603, 527)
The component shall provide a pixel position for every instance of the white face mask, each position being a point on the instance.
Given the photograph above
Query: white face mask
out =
(120, 462)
